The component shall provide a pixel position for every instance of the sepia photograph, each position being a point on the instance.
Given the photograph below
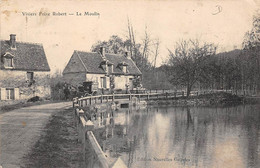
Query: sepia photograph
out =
(129, 84)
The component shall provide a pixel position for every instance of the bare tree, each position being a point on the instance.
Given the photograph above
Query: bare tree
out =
(156, 52)
(187, 61)
(132, 40)
(146, 45)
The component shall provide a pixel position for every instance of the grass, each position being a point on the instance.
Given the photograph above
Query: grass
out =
(58, 145)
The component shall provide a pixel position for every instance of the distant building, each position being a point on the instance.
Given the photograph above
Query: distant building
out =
(106, 70)
(24, 70)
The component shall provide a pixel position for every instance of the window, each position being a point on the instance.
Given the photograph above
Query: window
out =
(8, 62)
(30, 76)
(124, 69)
(110, 69)
(103, 82)
(9, 94)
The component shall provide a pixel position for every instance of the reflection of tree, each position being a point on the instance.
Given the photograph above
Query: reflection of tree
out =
(195, 133)
(252, 126)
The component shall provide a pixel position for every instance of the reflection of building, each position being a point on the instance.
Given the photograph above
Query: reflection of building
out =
(107, 70)
(24, 70)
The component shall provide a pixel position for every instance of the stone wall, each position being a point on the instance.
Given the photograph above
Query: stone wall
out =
(22, 87)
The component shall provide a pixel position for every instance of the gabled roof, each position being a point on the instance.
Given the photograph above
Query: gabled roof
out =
(122, 60)
(90, 62)
(26, 56)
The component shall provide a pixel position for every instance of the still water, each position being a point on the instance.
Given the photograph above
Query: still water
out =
(188, 137)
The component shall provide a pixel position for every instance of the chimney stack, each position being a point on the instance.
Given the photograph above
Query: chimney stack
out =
(12, 40)
(127, 53)
(103, 51)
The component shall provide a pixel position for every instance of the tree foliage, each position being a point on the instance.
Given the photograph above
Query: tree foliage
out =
(187, 63)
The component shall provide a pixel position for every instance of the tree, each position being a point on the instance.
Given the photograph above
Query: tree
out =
(187, 63)
(114, 45)
(251, 57)
(140, 52)
(156, 52)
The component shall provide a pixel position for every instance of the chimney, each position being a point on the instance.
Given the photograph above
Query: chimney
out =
(127, 55)
(12, 41)
(102, 51)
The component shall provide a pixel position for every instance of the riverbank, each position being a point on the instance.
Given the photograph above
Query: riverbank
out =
(57, 145)
(211, 99)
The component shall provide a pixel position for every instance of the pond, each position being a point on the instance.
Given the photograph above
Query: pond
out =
(185, 137)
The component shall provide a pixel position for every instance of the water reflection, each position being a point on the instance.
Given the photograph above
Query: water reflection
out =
(184, 137)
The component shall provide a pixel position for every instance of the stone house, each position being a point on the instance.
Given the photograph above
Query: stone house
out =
(106, 70)
(24, 70)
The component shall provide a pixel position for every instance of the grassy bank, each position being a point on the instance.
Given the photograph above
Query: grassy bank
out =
(57, 146)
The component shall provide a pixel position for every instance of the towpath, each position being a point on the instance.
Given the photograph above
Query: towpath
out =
(20, 130)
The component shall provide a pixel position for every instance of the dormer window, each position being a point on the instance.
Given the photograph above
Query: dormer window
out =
(104, 65)
(8, 60)
(125, 69)
(107, 66)
(110, 69)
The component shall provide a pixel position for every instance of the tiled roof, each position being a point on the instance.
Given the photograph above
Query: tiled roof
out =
(119, 60)
(26, 56)
(90, 62)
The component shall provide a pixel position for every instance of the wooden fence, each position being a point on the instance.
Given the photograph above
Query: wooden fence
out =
(150, 95)
(93, 155)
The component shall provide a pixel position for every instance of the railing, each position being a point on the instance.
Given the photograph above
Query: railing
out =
(96, 156)
(161, 94)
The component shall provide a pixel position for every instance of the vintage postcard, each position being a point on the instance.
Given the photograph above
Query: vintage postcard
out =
(132, 84)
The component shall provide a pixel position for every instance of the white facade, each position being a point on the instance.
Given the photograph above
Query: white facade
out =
(121, 82)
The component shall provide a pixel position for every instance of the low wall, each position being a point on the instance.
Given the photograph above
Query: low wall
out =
(94, 157)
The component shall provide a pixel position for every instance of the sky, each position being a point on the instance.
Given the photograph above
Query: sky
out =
(223, 23)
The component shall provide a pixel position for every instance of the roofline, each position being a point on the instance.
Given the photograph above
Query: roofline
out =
(125, 74)
(84, 51)
(135, 66)
(81, 61)
(73, 72)
(128, 74)
(19, 69)
(25, 42)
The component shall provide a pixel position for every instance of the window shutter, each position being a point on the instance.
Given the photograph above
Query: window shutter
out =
(3, 95)
(108, 82)
(16, 94)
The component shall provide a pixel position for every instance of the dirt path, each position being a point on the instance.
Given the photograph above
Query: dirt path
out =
(20, 130)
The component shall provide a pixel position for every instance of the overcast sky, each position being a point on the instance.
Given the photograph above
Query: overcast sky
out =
(221, 22)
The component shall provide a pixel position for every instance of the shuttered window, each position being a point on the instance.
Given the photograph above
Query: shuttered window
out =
(9, 94)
